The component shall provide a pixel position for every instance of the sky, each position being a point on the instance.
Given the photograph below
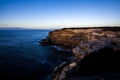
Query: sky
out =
(59, 13)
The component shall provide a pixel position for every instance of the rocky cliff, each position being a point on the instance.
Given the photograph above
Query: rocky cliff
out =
(96, 53)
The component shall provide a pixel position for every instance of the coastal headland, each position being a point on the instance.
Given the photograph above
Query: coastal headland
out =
(96, 52)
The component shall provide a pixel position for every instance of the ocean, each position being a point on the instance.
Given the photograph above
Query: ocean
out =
(23, 58)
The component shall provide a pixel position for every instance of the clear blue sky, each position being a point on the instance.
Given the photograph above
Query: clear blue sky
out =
(59, 13)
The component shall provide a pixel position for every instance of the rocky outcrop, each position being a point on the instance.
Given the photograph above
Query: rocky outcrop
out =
(96, 51)
(68, 38)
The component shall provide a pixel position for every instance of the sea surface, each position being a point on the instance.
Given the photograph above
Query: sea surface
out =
(23, 58)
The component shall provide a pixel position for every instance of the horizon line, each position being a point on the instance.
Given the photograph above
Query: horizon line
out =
(57, 27)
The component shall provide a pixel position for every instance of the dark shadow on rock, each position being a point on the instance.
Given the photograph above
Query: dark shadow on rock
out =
(103, 61)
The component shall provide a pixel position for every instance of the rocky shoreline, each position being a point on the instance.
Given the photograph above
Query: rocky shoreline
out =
(96, 53)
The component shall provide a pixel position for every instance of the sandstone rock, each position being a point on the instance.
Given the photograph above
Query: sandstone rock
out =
(72, 64)
(96, 51)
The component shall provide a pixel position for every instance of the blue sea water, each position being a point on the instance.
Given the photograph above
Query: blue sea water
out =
(23, 58)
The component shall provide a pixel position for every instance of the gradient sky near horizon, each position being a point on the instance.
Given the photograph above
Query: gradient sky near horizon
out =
(59, 13)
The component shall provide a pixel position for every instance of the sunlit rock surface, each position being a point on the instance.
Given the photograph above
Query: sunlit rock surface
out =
(96, 51)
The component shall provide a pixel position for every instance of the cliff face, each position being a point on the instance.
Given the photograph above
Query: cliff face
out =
(70, 38)
(63, 38)
(96, 51)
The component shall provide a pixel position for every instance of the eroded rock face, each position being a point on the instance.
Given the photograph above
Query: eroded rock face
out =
(96, 51)
(103, 64)
(70, 38)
